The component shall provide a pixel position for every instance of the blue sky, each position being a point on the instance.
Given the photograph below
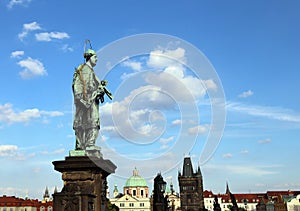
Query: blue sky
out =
(164, 99)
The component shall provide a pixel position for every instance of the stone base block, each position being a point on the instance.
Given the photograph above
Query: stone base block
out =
(85, 183)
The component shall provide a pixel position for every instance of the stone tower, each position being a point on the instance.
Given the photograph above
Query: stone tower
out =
(191, 187)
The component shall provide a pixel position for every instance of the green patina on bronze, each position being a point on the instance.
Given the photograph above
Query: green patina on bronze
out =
(88, 91)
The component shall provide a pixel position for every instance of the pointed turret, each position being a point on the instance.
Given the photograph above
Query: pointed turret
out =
(199, 171)
(172, 188)
(227, 188)
(116, 191)
(232, 197)
(187, 167)
(46, 196)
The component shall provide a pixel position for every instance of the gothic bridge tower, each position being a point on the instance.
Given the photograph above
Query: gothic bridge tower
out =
(191, 187)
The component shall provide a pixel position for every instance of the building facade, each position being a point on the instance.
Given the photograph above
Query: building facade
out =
(173, 198)
(135, 196)
(269, 201)
(294, 203)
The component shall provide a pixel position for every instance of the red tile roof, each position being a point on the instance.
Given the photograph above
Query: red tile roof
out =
(12, 201)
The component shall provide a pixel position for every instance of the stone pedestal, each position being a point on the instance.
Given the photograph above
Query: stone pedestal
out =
(85, 183)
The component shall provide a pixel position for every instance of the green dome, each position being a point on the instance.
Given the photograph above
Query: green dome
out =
(136, 180)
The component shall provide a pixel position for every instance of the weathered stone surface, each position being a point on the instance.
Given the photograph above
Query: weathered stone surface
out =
(84, 183)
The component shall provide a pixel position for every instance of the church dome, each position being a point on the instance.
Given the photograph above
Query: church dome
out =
(136, 180)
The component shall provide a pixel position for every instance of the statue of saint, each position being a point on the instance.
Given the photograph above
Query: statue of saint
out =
(88, 91)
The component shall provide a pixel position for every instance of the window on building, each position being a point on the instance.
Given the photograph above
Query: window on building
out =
(134, 192)
(189, 198)
(42, 208)
(131, 204)
(122, 205)
(49, 208)
(11, 209)
(142, 204)
(142, 192)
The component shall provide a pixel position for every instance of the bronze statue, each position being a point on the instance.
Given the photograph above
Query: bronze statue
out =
(88, 91)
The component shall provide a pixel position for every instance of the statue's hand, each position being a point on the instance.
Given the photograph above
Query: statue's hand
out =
(98, 93)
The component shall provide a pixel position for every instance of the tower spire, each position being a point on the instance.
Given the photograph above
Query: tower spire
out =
(227, 188)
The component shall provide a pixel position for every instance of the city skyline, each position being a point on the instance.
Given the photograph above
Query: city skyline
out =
(163, 106)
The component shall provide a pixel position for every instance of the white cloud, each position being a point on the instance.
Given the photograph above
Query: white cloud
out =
(244, 151)
(67, 48)
(185, 89)
(227, 155)
(16, 54)
(51, 113)
(33, 67)
(8, 115)
(265, 141)
(255, 170)
(13, 191)
(48, 36)
(199, 129)
(265, 111)
(55, 152)
(164, 146)
(286, 186)
(13, 152)
(165, 58)
(166, 140)
(43, 36)
(142, 113)
(13, 3)
(131, 121)
(8, 150)
(136, 66)
(173, 78)
(28, 27)
(176, 122)
(246, 94)
(210, 84)
(31, 26)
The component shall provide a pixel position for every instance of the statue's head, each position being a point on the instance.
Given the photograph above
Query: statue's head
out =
(91, 56)
(88, 54)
